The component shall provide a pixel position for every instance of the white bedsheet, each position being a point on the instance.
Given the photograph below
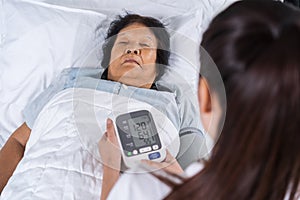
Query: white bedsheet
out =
(61, 159)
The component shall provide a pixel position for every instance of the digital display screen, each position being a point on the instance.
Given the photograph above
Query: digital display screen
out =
(142, 131)
(137, 133)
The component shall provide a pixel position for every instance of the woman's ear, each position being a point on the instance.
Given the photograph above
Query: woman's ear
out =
(204, 97)
(205, 104)
(210, 110)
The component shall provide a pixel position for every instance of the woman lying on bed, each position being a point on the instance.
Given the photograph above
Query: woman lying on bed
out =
(54, 153)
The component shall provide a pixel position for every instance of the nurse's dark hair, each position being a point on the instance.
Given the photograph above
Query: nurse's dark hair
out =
(256, 47)
(158, 29)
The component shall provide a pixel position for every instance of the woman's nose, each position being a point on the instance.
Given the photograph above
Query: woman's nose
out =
(134, 51)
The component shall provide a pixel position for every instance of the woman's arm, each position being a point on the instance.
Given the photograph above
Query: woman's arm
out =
(12, 152)
(111, 159)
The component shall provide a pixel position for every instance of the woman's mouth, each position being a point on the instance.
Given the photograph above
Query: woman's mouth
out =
(130, 60)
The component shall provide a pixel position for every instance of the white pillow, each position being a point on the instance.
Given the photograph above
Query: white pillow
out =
(185, 19)
(37, 42)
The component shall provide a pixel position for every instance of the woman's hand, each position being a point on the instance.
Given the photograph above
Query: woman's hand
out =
(169, 165)
(109, 148)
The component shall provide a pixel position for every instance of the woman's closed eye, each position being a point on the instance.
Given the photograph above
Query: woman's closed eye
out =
(145, 45)
(122, 42)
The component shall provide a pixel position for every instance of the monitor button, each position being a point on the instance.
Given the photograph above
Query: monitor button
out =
(145, 149)
(135, 152)
(153, 156)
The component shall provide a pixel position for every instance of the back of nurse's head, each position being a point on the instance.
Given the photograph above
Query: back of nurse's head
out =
(158, 29)
(256, 47)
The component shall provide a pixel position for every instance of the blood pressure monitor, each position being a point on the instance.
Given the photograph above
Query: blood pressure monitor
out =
(139, 139)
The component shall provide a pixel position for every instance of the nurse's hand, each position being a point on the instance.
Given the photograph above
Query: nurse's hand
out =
(111, 159)
(170, 164)
(109, 147)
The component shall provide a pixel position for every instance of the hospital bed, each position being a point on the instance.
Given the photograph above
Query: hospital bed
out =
(40, 38)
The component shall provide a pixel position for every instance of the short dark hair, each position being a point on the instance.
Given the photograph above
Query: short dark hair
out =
(158, 29)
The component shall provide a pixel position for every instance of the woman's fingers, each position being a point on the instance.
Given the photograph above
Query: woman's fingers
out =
(110, 128)
(170, 164)
(169, 158)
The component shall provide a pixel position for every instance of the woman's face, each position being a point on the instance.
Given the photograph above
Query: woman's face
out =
(133, 56)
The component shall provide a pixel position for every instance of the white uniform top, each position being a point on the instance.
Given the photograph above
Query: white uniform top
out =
(145, 186)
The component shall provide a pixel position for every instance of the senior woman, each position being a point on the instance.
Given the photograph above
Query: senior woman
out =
(135, 53)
